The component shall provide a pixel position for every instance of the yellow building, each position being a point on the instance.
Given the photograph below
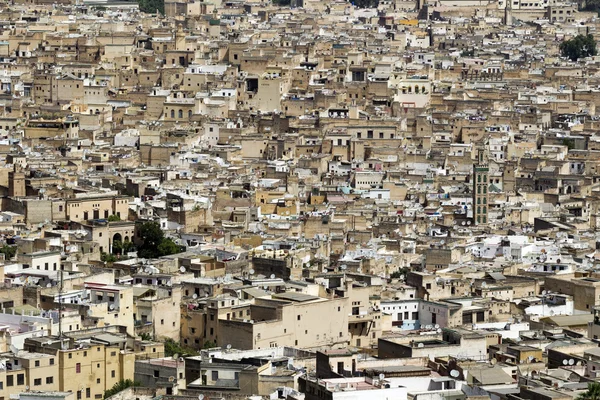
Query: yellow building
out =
(86, 368)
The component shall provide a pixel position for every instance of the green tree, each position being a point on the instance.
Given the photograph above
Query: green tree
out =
(114, 218)
(167, 246)
(172, 348)
(570, 143)
(120, 386)
(152, 236)
(580, 46)
(8, 251)
(154, 243)
(366, 3)
(128, 246)
(108, 258)
(152, 6)
(593, 392)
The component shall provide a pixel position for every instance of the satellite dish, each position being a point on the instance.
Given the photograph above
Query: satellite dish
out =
(182, 269)
(272, 276)
(49, 285)
(228, 347)
(420, 345)
(437, 326)
(454, 373)
(200, 397)
(171, 379)
(439, 330)
(493, 361)
(89, 312)
(251, 272)
(111, 307)
(571, 362)
(565, 362)
(483, 284)
(544, 292)
(381, 377)
(402, 277)
(194, 296)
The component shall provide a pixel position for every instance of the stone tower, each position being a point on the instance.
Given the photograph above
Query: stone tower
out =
(16, 182)
(480, 189)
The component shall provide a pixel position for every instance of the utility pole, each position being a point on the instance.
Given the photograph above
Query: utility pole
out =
(60, 291)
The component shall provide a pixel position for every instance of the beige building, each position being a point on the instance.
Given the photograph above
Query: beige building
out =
(285, 319)
(84, 368)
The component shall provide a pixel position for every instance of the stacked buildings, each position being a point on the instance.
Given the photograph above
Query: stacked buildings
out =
(314, 200)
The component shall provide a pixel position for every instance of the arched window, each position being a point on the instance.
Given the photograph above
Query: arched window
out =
(172, 113)
(478, 210)
(180, 114)
(484, 200)
(190, 114)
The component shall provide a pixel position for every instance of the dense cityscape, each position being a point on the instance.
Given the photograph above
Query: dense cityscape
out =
(300, 200)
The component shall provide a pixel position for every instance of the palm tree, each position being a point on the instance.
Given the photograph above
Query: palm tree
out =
(593, 392)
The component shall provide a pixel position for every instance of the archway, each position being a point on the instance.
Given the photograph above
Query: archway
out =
(117, 244)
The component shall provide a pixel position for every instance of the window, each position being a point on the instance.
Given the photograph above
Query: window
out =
(37, 382)
(88, 393)
(52, 361)
(78, 368)
(112, 373)
(10, 380)
(156, 373)
(214, 375)
(49, 380)
(113, 353)
(37, 363)
(20, 379)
